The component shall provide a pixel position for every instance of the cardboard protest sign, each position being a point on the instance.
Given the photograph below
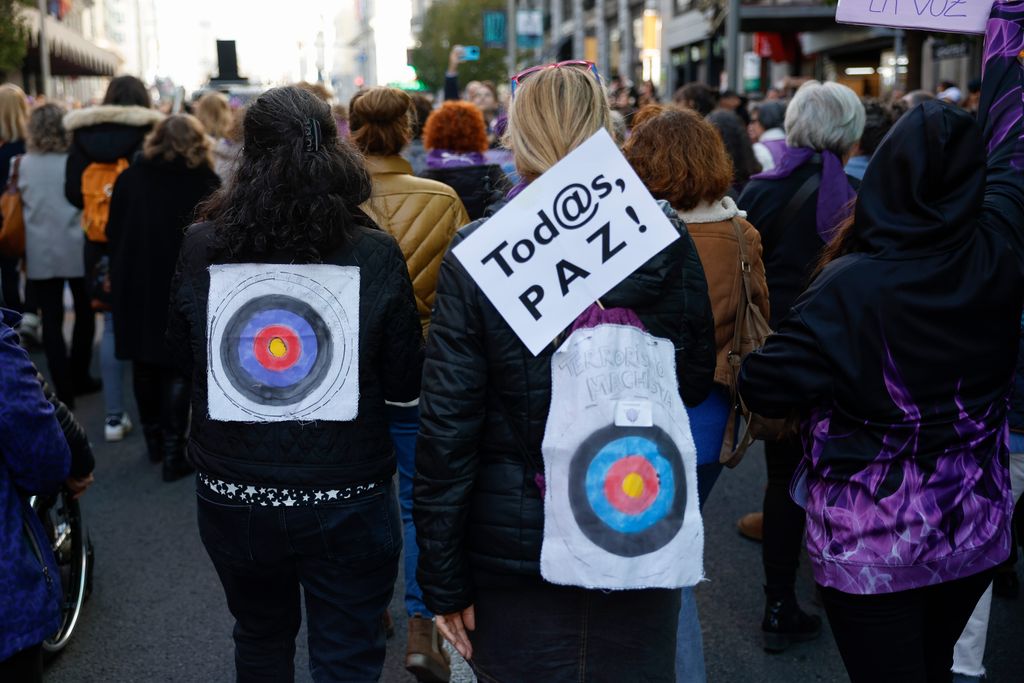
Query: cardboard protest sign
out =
(565, 241)
(948, 16)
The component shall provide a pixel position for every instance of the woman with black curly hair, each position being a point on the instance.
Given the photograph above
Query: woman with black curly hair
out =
(294, 316)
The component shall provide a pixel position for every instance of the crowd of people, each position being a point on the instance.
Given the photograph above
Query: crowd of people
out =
(880, 240)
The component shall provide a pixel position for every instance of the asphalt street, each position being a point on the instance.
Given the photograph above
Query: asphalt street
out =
(157, 612)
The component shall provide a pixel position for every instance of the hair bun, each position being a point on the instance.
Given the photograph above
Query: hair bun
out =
(381, 120)
(381, 105)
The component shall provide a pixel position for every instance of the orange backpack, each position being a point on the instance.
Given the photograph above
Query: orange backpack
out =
(97, 187)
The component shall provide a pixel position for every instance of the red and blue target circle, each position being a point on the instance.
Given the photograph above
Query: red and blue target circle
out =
(630, 485)
(277, 347)
(627, 489)
(276, 350)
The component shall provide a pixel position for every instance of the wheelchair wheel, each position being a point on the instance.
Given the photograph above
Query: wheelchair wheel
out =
(62, 520)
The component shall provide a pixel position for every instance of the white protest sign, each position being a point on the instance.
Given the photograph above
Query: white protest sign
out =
(954, 16)
(565, 241)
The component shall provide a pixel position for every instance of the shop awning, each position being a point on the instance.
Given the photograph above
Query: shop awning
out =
(71, 54)
(785, 16)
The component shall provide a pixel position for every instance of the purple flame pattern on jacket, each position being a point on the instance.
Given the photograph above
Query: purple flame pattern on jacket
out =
(951, 508)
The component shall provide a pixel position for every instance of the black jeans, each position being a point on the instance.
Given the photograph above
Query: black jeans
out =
(345, 558)
(551, 633)
(50, 296)
(904, 637)
(162, 395)
(25, 666)
(10, 280)
(783, 519)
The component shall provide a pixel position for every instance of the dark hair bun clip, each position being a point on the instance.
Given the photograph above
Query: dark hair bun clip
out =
(313, 135)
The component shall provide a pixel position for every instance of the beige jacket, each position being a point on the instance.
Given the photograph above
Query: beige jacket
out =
(712, 230)
(423, 215)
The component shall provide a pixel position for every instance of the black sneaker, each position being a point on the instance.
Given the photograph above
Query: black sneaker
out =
(785, 623)
(86, 385)
(1005, 584)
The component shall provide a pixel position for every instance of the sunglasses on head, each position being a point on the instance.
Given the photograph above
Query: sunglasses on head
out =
(589, 66)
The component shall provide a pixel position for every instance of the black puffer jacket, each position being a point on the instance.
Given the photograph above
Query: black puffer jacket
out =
(82, 460)
(479, 515)
(321, 454)
(477, 186)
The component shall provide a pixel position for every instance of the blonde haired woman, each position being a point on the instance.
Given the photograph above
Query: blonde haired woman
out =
(214, 112)
(485, 401)
(154, 201)
(13, 118)
(224, 127)
(422, 215)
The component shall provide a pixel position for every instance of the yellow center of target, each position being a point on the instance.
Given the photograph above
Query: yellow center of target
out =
(633, 485)
(278, 348)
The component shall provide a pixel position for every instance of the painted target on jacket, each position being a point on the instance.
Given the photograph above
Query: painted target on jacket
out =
(276, 350)
(283, 342)
(627, 489)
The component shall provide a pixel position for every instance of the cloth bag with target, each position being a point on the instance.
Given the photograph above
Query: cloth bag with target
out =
(620, 464)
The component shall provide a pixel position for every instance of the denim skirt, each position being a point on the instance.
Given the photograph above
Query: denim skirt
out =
(543, 632)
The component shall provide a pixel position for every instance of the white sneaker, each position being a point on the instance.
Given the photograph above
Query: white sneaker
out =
(116, 427)
(30, 329)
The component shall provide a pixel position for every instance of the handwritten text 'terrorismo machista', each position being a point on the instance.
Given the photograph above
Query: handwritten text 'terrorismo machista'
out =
(616, 372)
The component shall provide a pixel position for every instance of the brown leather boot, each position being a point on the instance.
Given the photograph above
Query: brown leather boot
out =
(751, 526)
(425, 656)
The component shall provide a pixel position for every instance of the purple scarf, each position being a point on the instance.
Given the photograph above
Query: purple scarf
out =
(516, 190)
(835, 196)
(442, 158)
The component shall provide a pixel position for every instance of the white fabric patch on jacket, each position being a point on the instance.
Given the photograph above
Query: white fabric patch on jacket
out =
(283, 343)
(620, 505)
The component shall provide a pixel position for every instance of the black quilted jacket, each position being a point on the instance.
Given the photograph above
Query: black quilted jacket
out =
(478, 512)
(321, 454)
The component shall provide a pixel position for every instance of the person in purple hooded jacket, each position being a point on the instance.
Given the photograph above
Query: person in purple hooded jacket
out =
(34, 459)
(900, 356)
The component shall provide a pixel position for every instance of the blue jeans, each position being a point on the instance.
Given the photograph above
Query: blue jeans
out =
(345, 559)
(111, 369)
(404, 423)
(708, 421)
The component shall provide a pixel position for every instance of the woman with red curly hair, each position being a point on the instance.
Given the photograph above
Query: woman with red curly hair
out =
(456, 137)
(681, 158)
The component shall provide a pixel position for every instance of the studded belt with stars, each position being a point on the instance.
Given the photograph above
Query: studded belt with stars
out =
(274, 496)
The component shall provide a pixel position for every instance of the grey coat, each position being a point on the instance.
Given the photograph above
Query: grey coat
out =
(53, 231)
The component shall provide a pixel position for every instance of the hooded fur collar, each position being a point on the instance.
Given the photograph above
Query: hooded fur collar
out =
(713, 212)
(110, 113)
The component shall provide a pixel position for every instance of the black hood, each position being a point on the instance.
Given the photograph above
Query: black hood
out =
(108, 142)
(925, 183)
(110, 132)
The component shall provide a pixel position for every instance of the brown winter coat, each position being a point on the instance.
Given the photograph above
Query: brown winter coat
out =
(423, 215)
(712, 230)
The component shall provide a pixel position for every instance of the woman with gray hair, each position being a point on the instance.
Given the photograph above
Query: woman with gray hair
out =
(54, 242)
(767, 134)
(797, 207)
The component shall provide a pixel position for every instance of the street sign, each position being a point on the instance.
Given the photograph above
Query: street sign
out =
(529, 28)
(494, 29)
